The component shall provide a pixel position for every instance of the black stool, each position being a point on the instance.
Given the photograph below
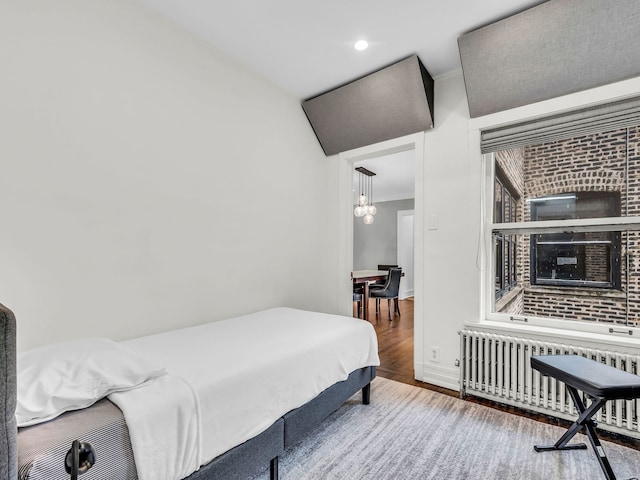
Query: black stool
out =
(597, 380)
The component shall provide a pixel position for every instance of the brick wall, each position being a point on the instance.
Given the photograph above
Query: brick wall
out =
(559, 167)
(573, 304)
(510, 164)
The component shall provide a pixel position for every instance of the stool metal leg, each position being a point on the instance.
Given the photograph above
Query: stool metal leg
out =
(590, 430)
(584, 420)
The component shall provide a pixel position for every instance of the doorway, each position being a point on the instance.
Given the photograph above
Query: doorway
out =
(346, 162)
(391, 187)
(405, 252)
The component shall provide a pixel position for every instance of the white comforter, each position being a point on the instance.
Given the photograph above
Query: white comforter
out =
(228, 381)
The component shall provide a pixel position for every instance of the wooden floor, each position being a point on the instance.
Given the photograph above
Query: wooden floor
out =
(395, 340)
(395, 344)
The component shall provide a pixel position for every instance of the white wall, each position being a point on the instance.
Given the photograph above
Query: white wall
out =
(454, 255)
(447, 272)
(377, 243)
(148, 181)
(452, 194)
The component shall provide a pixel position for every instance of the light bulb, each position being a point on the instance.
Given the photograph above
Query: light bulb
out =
(361, 45)
(372, 209)
(368, 219)
(362, 200)
(358, 211)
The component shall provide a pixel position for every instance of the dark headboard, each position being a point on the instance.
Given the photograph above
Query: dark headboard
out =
(8, 395)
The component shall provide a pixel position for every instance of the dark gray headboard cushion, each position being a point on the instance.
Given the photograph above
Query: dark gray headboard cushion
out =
(8, 395)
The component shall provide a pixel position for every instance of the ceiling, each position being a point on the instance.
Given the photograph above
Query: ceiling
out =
(394, 176)
(307, 48)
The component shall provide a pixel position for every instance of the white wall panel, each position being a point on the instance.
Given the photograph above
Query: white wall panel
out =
(149, 182)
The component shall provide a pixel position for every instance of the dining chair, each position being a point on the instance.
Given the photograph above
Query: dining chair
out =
(390, 291)
(381, 283)
(358, 297)
(386, 267)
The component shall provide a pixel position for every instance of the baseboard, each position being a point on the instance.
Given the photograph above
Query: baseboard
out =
(438, 375)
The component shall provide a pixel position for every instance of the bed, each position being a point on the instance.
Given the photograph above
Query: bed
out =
(232, 406)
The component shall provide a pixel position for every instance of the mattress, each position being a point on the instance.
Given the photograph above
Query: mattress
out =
(233, 379)
(42, 448)
(226, 383)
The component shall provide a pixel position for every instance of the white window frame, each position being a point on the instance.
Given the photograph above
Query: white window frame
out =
(559, 331)
(533, 227)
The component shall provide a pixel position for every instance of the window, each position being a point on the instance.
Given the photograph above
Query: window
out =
(581, 259)
(563, 234)
(505, 245)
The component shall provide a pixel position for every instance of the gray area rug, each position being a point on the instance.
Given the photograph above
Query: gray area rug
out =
(411, 433)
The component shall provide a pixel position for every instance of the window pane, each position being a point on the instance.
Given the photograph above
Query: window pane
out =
(577, 264)
(573, 205)
(505, 266)
(586, 275)
(579, 259)
(497, 202)
(577, 172)
(576, 259)
(507, 207)
(513, 259)
(582, 278)
(498, 269)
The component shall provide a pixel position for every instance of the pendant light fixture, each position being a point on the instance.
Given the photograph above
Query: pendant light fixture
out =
(364, 203)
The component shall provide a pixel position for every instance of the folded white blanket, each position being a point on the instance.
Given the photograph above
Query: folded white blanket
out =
(162, 417)
(245, 373)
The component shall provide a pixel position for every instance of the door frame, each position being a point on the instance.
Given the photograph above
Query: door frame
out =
(346, 160)
(405, 293)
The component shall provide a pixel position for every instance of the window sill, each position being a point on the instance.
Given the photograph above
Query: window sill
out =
(576, 291)
(615, 342)
(508, 297)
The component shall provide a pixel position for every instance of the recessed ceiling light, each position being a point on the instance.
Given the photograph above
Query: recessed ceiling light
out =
(361, 45)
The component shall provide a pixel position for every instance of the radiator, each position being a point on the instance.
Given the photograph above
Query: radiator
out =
(497, 367)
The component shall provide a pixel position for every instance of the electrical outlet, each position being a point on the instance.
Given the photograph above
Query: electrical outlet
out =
(435, 354)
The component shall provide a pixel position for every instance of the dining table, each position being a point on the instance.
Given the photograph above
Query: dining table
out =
(365, 278)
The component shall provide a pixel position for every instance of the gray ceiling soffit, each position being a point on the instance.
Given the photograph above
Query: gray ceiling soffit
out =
(392, 102)
(553, 49)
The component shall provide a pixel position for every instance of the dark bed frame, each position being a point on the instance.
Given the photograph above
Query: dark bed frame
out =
(239, 463)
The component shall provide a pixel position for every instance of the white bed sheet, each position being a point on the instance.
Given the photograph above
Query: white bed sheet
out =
(245, 373)
(164, 427)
